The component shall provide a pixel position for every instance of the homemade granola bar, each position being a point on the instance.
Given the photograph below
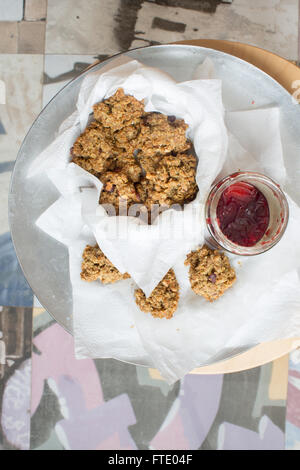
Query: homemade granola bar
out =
(210, 273)
(141, 157)
(95, 266)
(161, 135)
(163, 300)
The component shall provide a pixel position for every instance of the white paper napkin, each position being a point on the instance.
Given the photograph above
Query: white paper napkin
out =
(264, 302)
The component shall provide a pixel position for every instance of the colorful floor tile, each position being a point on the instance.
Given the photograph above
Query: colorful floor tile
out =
(70, 398)
(11, 10)
(15, 290)
(15, 377)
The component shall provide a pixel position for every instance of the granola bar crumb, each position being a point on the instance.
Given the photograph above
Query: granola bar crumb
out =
(210, 273)
(163, 301)
(96, 265)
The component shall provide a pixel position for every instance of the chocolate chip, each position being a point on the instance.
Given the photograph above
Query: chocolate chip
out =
(171, 119)
(147, 117)
(212, 278)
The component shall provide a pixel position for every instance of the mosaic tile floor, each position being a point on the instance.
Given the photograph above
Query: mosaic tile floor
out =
(48, 400)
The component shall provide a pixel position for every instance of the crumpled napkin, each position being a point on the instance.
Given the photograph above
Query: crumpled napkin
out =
(264, 302)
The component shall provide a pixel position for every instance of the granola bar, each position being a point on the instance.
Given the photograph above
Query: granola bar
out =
(210, 273)
(119, 111)
(96, 147)
(162, 135)
(169, 179)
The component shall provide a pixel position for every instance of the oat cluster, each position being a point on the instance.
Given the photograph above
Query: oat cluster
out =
(141, 157)
(163, 300)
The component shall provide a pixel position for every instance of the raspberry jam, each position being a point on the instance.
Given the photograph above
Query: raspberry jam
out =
(243, 214)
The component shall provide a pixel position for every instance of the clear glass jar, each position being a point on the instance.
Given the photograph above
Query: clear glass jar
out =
(278, 213)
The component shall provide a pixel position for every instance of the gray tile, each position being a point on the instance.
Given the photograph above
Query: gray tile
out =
(81, 27)
(11, 10)
(31, 38)
(60, 69)
(272, 25)
(9, 37)
(35, 10)
(22, 75)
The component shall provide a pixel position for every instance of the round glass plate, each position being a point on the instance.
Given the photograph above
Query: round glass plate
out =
(44, 260)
